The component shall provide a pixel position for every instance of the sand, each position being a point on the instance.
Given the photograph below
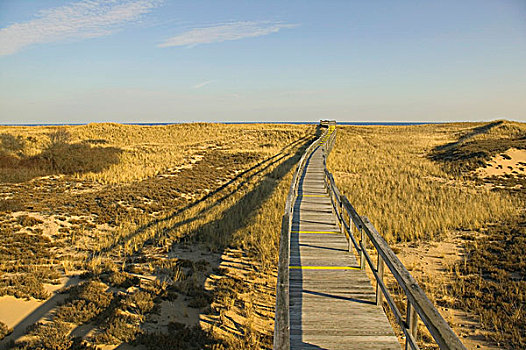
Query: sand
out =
(18, 314)
(512, 163)
(13, 310)
(432, 260)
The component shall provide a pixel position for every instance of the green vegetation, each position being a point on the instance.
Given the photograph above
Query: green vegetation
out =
(491, 282)
(125, 153)
(186, 218)
(85, 302)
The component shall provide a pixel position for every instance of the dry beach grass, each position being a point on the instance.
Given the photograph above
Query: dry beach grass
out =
(421, 187)
(163, 237)
(173, 235)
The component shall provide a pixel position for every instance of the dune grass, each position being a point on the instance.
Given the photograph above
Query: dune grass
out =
(127, 223)
(115, 154)
(418, 184)
(387, 175)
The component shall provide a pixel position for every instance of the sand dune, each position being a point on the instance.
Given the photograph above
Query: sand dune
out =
(511, 162)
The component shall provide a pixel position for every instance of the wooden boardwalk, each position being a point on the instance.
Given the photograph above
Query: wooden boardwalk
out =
(332, 301)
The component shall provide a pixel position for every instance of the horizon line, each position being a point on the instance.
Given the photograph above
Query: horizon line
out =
(365, 123)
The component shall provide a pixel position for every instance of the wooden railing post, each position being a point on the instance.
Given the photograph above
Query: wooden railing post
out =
(412, 322)
(351, 231)
(342, 223)
(380, 271)
(327, 185)
(362, 247)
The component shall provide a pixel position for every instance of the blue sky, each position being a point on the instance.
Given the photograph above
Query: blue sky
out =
(172, 61)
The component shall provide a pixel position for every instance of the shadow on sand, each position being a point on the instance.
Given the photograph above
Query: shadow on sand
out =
(240, 180)
(220, 232)
(467, 154)
(42, 311)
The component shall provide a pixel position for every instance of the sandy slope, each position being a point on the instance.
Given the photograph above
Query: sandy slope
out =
(513, 161)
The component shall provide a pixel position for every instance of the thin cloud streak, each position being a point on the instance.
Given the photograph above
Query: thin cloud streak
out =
(203, 84)
(80, 20)
(225, 32)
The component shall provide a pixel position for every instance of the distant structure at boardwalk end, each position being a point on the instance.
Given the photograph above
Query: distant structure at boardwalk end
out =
(326, 123)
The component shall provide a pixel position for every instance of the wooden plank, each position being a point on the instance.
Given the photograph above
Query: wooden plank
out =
(282, 321)
(350, 342)
(330, 304)
(329, 308)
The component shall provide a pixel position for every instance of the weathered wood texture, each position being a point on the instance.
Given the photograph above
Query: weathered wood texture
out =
(282, 320)
(324, 298)
(359, 230)
(332, 301)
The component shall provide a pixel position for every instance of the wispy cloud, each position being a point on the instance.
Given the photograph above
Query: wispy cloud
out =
(224, 32)
(79, 20)
(203, 84)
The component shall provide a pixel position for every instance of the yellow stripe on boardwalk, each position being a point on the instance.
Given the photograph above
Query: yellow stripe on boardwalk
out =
(324, 232)
(323, 268)
(312, 195)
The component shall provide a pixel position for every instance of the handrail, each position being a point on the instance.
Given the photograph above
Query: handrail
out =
(282, 318)
(418, 305)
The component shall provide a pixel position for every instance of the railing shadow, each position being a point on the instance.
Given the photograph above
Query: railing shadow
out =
(462, 155)
(21, 328)
(239, 215)
(259, 167)
(220, 233)
(296, 275)
(331, 296)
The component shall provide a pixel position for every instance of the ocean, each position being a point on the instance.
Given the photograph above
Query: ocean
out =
(251, 122)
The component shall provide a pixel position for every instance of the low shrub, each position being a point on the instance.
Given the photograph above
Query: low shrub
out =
(120, 328)
(180, 338)
(121, 279)
(28, 221)
(78, 311)
(94, 292)
(49, 336)
(139, 303)
(491, 283)
(27, 285)
(85, 302)
(4, 330)
(9, 205)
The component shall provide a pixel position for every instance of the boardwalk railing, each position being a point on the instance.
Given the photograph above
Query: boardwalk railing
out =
(358, 230)
(282, 318)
